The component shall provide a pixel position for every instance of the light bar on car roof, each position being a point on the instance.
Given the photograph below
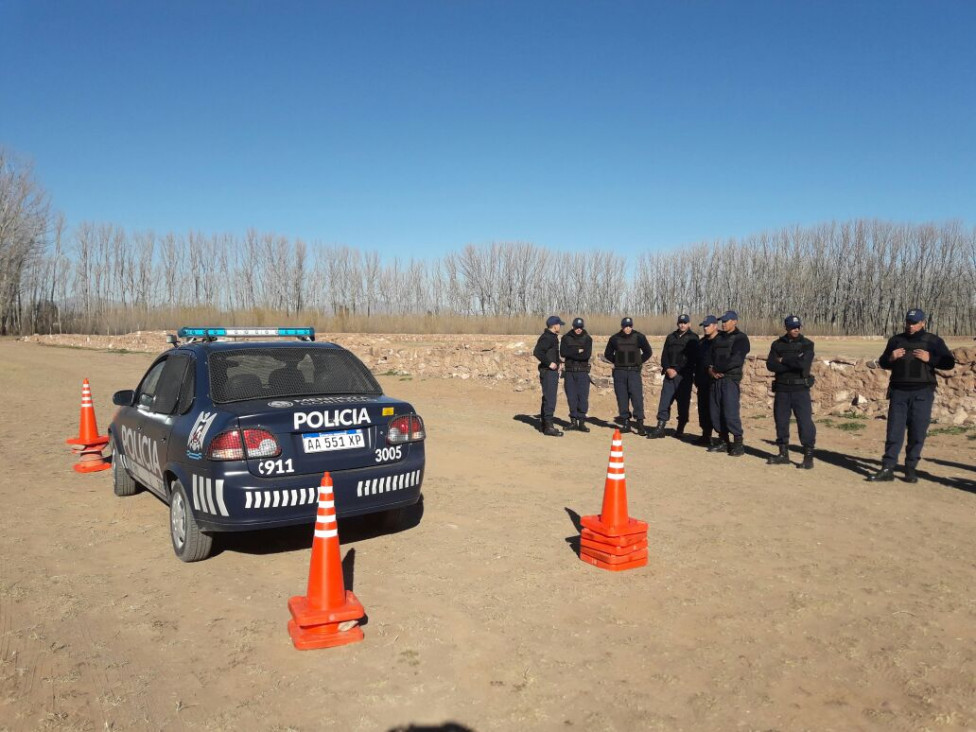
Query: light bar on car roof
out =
(213, 333)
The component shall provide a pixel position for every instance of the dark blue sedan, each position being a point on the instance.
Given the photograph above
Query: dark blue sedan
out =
(235, 435)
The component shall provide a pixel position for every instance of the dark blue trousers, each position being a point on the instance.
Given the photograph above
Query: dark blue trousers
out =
(798, 404)
(629, 389)
(676, 389)
(550, 388)
(725, 407)
(911, 410)
(577, 385)
(705, 408)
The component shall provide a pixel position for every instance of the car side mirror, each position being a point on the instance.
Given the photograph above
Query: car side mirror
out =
(123, 398)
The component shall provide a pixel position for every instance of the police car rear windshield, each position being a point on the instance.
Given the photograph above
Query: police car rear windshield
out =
(288, 372)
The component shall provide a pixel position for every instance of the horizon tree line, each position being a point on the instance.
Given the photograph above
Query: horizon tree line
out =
(855, 277)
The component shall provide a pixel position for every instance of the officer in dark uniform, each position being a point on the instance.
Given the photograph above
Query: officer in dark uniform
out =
(678, 358)
(703, 381)
(627, 350)
(576, 348)
(790, 358)
(547, 352)
(912, 357)
(727, 360)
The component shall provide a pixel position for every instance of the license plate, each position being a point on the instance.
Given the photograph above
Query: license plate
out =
(327, 441)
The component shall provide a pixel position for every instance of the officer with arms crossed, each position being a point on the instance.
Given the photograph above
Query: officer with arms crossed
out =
(627, 350)
(678, 358)
(576, 347)
(912, 357)
(728, 357)
(547, 352)
(703, 381)
(790, 358)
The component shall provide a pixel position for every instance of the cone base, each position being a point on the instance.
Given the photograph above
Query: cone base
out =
(615, 550)
(91, 466)
(307, 616)
(614, 558)
(617, 541)
(634, 564)
(633, 526)
(98, 441)
(322, 636)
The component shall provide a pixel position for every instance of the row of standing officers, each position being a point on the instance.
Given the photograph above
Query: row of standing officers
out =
(714, 364)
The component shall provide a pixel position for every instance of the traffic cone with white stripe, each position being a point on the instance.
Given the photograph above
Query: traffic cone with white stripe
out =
(89, 444)
(612, 540)
(329, 614)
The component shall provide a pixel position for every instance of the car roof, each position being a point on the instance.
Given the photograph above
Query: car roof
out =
(205, 347)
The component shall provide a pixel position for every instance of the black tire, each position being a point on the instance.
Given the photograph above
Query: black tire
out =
(189, 542)
(122, 482)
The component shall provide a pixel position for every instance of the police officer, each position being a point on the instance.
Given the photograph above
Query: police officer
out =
(703, 381)
(790, 358)
(678, 358)
(547, 352)
(627, 350)
(727, 359)
(912, 357)
(576, 348)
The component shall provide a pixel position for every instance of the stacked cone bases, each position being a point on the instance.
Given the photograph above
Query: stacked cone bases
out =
(612, 540)
(88, 444)
(328, 615)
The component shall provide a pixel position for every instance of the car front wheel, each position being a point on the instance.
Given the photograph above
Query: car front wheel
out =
(189, 542)
(122, 482)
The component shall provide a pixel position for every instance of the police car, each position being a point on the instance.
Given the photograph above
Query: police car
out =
(235, 434)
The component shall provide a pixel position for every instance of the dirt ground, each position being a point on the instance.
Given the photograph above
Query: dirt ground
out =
(775, 598)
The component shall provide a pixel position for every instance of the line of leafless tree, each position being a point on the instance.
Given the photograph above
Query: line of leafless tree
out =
(855, 277)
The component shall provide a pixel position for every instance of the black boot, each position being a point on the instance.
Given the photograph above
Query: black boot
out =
(624, 426)
(679, 431)
(549, 430)
(704, 441)
(737, 449)
(910, 475)
(572, 424)
(719, 444)
(883, 475)
(807, 458)
(783, 458)
(658, 431)
(581, 425)
(640, 428)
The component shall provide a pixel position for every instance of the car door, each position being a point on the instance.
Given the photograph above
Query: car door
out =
(157, 402)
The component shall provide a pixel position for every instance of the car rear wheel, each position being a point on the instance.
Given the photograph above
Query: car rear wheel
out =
(189, 542)
(390, 520)
(122, 482)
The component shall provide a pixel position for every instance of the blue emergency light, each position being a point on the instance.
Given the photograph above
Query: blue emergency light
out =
(214, 333)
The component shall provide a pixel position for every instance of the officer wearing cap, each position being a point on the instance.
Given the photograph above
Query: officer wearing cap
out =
(547, 352)
(678, 358)
(727, 359)
(790, 359)
(912, 357)
(703, 382)
(628, 350)
(576, 348)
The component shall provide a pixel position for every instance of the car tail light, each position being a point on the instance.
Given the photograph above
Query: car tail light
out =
(405, 428)
(237, 444)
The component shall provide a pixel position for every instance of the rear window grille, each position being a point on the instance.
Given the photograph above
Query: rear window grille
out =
(272, 373)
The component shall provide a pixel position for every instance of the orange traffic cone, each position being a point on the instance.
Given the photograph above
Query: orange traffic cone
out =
(613, 540)
(329, 614)
(89, 443)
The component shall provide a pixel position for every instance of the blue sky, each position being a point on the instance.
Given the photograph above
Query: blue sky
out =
(414, 128)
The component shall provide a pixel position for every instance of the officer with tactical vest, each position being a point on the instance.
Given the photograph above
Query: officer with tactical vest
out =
(912, 357)
(576, 348)
(547, 352)
(678, 359)
(628, 350)
(703, 382)
(727, 359)
(790, 359)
